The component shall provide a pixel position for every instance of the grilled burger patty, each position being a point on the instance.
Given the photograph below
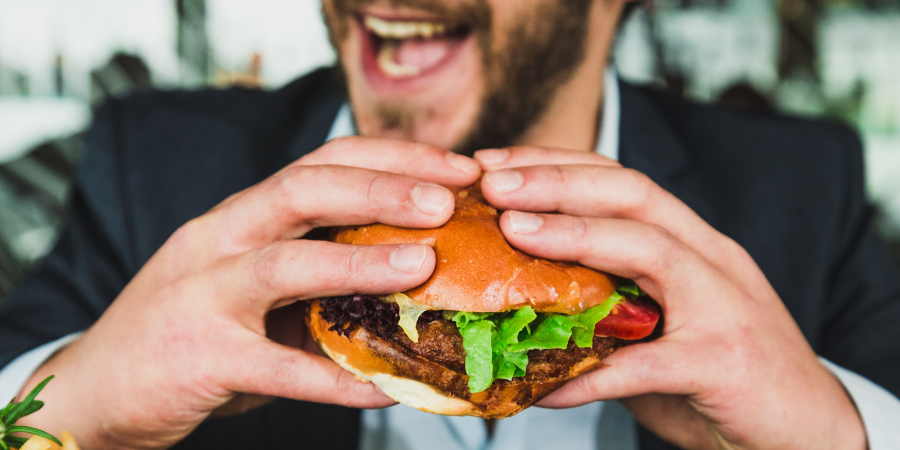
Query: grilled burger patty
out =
(439, 356)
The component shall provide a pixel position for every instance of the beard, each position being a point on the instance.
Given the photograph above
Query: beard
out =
(543, 49)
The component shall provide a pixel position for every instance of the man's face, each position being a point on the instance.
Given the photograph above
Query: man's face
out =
(461, 74)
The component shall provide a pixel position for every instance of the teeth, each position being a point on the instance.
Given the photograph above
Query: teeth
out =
(404, 29)
(387, 64)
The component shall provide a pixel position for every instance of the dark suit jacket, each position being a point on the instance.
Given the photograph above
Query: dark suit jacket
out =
(790, 191)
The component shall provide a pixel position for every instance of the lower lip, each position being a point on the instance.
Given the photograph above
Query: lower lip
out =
(379, 80)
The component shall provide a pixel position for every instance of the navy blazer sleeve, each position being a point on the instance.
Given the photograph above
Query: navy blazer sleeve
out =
(76, 282)
(862, 313)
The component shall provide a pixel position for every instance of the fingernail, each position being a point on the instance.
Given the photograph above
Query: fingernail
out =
(492, 156)
(504, 181)
(431, 199)
(525, 223)
(408, 258)
(461, 162)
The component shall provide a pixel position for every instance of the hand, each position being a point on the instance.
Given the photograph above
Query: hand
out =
(188, 335)
(732, 369)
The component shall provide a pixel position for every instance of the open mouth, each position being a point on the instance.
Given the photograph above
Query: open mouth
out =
(406, 49)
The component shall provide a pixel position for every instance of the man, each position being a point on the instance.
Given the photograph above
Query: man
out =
(186, 260)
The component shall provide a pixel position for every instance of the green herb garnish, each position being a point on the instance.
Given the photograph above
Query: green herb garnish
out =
(15, 411)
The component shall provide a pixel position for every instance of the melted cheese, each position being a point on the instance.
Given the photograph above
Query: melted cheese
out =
(410, 310)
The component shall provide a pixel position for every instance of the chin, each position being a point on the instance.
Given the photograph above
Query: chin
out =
(411, 76)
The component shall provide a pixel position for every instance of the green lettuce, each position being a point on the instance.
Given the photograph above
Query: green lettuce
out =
(476, 336)
(497, 344)
(630, 289)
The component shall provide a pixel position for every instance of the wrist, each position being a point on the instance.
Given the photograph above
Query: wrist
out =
(854, 430)
(66, 407)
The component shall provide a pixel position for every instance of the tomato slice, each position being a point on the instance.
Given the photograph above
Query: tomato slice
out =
(634, 319)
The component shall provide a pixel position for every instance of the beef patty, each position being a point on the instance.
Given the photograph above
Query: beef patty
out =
(439, 356)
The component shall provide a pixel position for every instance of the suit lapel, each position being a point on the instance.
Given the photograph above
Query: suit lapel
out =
(651, 142)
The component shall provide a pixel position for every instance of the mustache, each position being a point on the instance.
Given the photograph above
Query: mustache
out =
(475, 14)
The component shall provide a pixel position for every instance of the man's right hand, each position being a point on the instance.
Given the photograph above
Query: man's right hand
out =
(191, 334)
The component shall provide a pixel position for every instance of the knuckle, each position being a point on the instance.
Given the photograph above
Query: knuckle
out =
(604, 161)
(196, 239)
(642, 188)
(586, 385)
(189, 232)
(579, 229)
(354, 262)
(735, 251)
(664, 252)
(345, 384)
(283, 369)
(338, 268)
(267, 267)
(330, 152)
(558, 175)
(557, 179)
(378, 187)
(286, 184)
(522, 151)
(420, 149)
(289, 189)
(289, 178)
(334, 148)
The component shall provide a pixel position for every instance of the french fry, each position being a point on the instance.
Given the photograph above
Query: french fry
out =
(68, 442)
(39, 443)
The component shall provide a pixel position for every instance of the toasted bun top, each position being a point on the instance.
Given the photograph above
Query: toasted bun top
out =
(477, 270)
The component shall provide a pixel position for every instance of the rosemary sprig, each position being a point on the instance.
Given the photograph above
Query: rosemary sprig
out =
(15, 411)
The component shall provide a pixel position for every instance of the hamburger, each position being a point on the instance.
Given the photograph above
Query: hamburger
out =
(491, 332)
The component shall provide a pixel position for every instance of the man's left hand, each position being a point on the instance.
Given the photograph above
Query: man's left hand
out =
(732, 369)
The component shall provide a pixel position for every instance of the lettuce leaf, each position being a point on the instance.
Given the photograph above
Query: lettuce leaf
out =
(463, 318)
(476, 336)
(509, 330)
(556, 330)
(584, 337)
(511, 327)
(485, 336)
(630, 289)
(497, 344)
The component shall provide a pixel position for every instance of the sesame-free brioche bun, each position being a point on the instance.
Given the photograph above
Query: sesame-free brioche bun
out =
(477, 270)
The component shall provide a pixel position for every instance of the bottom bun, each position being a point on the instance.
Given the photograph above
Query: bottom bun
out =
(431, 387)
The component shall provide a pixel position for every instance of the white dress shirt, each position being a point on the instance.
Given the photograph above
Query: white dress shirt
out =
(595, 426)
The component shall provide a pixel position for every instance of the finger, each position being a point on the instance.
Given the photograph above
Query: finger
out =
(661, 264)
(505, 158)
(300, 198)
(393, 155)
(268, 278)
(631, 371)
(241, 404)
(618, 193)
(265, 368)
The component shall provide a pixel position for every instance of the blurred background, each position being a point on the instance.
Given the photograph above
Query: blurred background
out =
(836, 59)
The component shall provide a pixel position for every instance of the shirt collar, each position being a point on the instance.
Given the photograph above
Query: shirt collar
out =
(607, 141)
